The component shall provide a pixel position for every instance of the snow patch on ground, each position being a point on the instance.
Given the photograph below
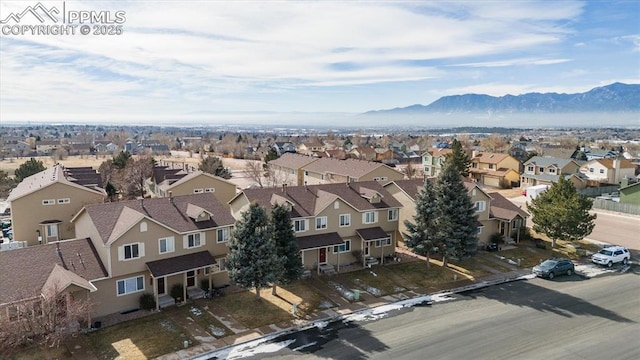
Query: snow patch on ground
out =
(168, 325)
(195, 311)
(592, 270)
(216, 331)
(262, 349)
(346, 293)
(370, 289)
(383, 310)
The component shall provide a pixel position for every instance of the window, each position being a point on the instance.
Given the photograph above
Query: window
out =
(193, 240)
(64, 201)
(222, 264)
(591, 170)
(300, 225)
(490, 166)
(306, 173)
(52, 230)
(552, 171)
(530, 168)
(345, 220)
(321, 222)
(346, 247)
(392, 215)
(480, 206)
(336, 205)
(143, 226)
(48, 202)
(209, 190)
(130, 251)
(541, 170)
(223, 235)
(479, 229)
(601, 171)
(369, 217)
(473, 192)
(130, 285)
(166, 245)
(383, 242)
(198, 191)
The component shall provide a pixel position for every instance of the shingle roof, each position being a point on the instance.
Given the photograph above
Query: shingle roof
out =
(162, 173)
(545, 161)
(55, 174)
(608, 163)
(410, 187)
(292, 161)
(502, 208)
(112, 219)
(24, 272)
(178, 264)
(194, 175)
(489, 158)
(308, 200)
(319, 240)
(350, 167)
(372, 233)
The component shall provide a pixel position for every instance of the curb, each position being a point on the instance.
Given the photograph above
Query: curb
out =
(319, 322)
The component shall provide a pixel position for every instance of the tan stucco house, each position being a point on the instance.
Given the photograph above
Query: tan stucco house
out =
(494, 169)
(43, 204)
(169, 181)
(328, 170)
(608, 171)
(335, 224)
(544, 170)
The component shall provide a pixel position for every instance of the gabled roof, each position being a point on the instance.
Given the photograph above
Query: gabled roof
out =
(608, 163)
(489, 158)
(112, 220)
(502, 208)
(310, 200)
(195, 174)
(24, 272)
(60, 278)
(410, 187)
(437, 152)
(47, 177)
(162, 173)
(350, 167)
(292, 161)
(545, 161)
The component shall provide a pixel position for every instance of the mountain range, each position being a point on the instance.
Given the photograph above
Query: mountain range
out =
(616, 97)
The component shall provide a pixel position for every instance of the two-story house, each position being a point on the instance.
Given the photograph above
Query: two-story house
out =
(494, 169)
(150, 245)
(608, 171)
(433, 160)
(310, 147)
(335, 224)
(542, 170)
(43, 204)
(177, 182)
(46, 147)
(290, 167)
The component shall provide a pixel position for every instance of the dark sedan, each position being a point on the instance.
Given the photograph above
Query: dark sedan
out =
(552, 267)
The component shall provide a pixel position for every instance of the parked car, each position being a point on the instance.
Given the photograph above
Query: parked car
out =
(611, 255)
(550, 268)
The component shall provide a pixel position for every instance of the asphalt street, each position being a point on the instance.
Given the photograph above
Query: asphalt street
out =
(568, 318)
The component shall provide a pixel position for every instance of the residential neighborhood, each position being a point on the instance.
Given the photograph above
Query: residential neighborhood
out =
(349, 211)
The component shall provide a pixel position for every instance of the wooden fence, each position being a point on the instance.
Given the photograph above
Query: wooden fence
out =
(615, 206)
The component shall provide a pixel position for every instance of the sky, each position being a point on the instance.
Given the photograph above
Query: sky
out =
(185, 61)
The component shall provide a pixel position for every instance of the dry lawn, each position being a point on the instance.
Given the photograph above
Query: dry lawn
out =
(38, 353)
(253, 312)
(143, 338)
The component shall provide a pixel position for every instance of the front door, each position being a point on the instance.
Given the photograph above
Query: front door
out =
(366, 248)
(191, 278)
(161, 289)
(323, 256)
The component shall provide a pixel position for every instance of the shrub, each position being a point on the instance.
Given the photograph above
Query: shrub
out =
(177, 291)
(495, 238)
(525, 233)
(204, 284)
(147, 302)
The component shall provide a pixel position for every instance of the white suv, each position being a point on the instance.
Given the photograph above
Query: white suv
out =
(610, 255)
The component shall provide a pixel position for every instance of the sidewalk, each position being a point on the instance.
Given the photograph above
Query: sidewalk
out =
(208, 344)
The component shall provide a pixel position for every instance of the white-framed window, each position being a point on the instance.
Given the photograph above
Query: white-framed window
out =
(300, 225)
(223, 235)
(392, 215)
(480, 205)
(369, 217)
(49, 202)
(591, 170)
(52, 230)
(479, 229)
(198, 191)
(490, 166)
(130, 251)
(530, 168)
(473, 192)
(222, 264)
(321, 222)
(601, 171)
(130, 285)
(194, 240)
(345, 220)
(383, 242)
(166, 245)
(64, 201)
(336, 205)
(209, 190)
(346, 247)
(143, 226)
(552, 171)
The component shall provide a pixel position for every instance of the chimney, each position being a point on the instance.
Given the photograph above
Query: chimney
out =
(616, 170)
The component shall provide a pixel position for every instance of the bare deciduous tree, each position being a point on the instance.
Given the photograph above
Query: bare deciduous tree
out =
(254, 170)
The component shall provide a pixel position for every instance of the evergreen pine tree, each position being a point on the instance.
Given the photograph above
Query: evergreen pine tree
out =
(421, 233)
(562, 213)
(252, 260)
(457, 220)
(459, 158)
(286, 247)
(213, 165)
(28, 168)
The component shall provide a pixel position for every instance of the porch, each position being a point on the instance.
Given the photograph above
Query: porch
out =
(188, 269)
(374, 238)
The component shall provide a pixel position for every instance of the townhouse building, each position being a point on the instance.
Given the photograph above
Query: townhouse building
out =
(328, 170)
(433, 160)
(335, 224)
(43, 204)
(165, 181)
